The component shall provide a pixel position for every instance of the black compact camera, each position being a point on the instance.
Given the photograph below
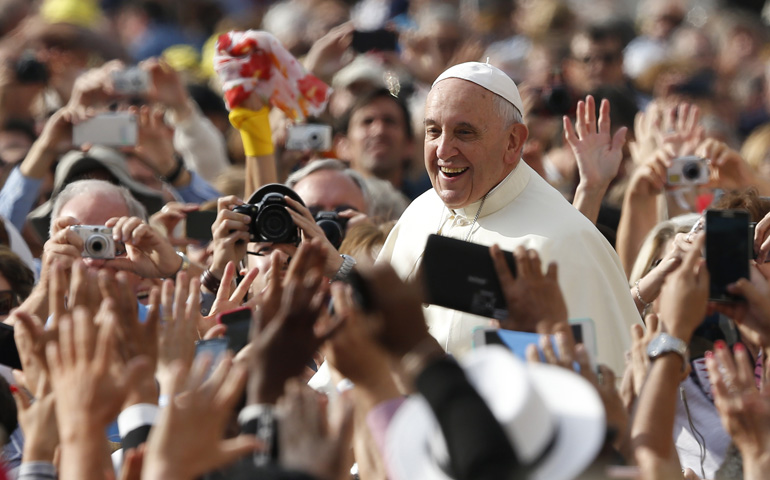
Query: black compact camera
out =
(333, 226)
(270, 222)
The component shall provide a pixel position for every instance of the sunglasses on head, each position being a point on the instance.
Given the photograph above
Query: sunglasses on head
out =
(8, 300)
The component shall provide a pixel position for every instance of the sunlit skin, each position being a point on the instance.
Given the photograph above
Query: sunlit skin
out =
(328, 189)
(468, 149)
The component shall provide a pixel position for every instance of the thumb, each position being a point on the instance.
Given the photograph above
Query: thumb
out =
(619, 138)
(234, 448)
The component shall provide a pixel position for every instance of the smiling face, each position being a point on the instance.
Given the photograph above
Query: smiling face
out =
(469, 149)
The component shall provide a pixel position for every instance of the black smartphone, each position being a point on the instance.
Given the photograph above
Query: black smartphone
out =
(470, 284)
(238, 323)
(382, 40)
(728, 251)
(198, 224)
(9, 354)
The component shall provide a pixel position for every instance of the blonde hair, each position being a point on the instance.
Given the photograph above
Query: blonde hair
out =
(756, 146)
(655, 240)
(363, 242)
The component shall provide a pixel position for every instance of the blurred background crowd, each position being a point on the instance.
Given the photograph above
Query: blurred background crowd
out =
(687, 81)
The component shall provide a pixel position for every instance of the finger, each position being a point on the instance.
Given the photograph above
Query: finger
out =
(522, 262)
(216, 331)
(533, 356)
(232, 449)
(547, 347)
(569, 132)
(167, 300)
(227, 281)
(243, 288)
(566, 347)
(501, 266)
(66, 341)
(180, 296)
(744, 377)
(57, 293)
(590, 115)
(536, 267)
(604, 118)
(619, 139)
(580, 121)
(84, 334)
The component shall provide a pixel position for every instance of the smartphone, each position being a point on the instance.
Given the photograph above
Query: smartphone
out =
(9, 354)
(113, 129)
(382, 40)
(214, 346)
(131, 81)
(470, 285)
(728, 251)
(517, 342)
(238, 323)
(198, 224)
(309, 137)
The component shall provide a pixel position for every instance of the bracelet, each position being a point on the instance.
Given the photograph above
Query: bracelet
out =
(176, 173)
(209, 281)
(646, 305)
(185, 263)
(254, 127)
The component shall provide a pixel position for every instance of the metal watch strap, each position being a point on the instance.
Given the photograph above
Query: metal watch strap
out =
(342, 274)
(664, 343)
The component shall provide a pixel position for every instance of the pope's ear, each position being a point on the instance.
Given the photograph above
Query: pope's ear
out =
(516, 139)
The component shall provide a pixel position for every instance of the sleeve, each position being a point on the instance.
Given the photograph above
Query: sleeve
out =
(198, 190)
(201, 145)
(477, 444)
(135, 423)
(36, 471)
(18, 196)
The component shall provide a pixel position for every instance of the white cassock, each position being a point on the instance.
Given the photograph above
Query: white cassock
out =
(524, 210)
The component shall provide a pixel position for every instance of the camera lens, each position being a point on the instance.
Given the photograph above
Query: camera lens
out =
(274, 224)
(333, 231)
(691, 170)
(96, 245)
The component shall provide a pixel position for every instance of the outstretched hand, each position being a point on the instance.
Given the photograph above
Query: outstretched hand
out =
(597, 152)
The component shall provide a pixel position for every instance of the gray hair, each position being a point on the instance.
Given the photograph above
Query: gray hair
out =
(507, 111)
(334, 165)
(80, 187)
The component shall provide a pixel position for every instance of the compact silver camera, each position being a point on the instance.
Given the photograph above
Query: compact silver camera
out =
(97, 241)
(690, 170)
(310, 136)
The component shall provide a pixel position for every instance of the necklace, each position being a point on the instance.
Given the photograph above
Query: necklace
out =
(473, 224)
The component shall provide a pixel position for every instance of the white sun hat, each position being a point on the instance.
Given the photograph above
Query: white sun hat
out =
(553, 417)
(487, 76)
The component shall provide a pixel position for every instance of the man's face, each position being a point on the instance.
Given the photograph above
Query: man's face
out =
(95, 209)
(468, 148)
(596, 63)
(377, 143)
(330, 190)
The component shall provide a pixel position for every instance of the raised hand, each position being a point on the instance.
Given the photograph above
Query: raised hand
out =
(149, 254)
(685, 295)
(37, 419)
(677, 131)
(188, 439)
(597, 152)
(535, 302)
(282, 344)
(745, 412)
(309, 442)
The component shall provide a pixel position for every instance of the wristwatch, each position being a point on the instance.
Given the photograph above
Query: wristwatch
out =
(665, 343)
(185, 263)
(342, 274)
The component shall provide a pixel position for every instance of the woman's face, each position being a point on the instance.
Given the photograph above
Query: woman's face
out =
(259, 256)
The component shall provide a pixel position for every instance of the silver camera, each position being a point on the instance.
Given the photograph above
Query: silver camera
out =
(690, 170)
(315, 137)
(97, 241)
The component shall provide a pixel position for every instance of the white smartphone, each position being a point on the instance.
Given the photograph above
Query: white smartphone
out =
(131, 81)
(113, 129)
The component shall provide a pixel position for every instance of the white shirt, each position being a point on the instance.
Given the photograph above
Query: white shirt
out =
(524, 210)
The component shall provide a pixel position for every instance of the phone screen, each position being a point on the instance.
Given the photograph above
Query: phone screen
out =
(238, 323)
(9, 355)
(214, 346)
(383, 40)
(728, 250)
(198, 224)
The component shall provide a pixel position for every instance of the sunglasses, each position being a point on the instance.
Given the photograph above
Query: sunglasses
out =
(8, 300)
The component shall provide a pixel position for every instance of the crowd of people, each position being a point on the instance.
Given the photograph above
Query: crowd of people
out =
(241, 239)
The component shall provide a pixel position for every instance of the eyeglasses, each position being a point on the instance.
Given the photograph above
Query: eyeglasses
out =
(8, 300)
(606, 58)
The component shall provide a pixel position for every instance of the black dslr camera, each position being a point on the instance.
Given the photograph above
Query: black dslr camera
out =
(270, 222)
(333, 226)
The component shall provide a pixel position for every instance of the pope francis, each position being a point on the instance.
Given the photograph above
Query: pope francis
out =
(483, 193)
